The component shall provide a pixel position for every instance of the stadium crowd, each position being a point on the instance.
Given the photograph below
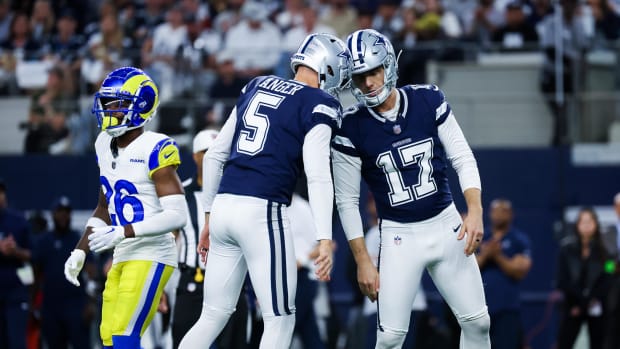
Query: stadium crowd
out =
(204, 51)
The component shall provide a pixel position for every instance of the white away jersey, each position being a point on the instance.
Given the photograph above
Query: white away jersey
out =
(130, 192)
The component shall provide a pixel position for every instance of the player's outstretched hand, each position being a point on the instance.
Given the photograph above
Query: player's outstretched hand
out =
(325, 260)
(105, 238)
(473, 229)
(74, 265)
(203, 242)
(368, 280)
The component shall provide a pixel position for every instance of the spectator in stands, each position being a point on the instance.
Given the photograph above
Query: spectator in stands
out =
(66, 44)
(388, 19)
(160, 54)
(108, 49)
(196, 58)
(6, 17)
(224, 92)
(42, 20)
(294, 36)
(255, 42)
(14, 292)
(504, 260)
(340, 16)
(49, 109)
(538, 10)
(574, 44)
(581, 278)
(19, 46)
(66, 311)
(205, 41)
(146, 19)
(487, 19)
(607, 20)
(516, 33)
(228, 16)
(364, 18)
(613, 303)
(292, 15)
(199, 9)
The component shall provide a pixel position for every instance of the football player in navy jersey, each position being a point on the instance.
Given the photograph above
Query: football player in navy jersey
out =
(251, 171)
(401, 142)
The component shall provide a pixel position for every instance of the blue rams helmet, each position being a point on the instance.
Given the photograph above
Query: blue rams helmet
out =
(128, 91)
(369, 50)
(329, 57)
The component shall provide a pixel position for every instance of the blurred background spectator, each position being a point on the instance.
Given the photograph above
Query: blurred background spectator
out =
(584, 284)
(16, 274)
(66, 310)
(504, 259)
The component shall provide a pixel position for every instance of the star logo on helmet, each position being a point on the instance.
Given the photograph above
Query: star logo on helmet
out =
(379, 41)
(344, 55)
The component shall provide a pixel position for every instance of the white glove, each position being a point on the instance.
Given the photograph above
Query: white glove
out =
(74, 265)
(104, 238)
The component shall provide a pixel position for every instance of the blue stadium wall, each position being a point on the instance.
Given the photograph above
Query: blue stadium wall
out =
(540, 183)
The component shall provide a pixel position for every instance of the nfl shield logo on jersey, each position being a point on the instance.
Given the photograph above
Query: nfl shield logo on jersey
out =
(397, 240)
(397, 130)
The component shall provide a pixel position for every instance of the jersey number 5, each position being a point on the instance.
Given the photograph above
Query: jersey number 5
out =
(256, 124)
(420, 154)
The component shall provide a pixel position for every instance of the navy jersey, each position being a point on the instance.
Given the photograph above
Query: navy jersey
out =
(403, 162)
(503, 290)
(273, 117)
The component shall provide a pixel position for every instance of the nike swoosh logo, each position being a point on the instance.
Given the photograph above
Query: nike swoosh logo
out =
(109, 231)
(457, 228)
(168, 155)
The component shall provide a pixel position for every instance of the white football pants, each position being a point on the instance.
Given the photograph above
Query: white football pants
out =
(406, 250)
(248, 234)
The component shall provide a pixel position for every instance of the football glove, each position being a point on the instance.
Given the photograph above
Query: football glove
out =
(74, 265)
(104, 238)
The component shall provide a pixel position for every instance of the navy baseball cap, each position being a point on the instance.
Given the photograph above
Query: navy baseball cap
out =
(62, 202)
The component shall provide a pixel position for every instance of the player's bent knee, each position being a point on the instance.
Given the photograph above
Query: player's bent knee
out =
(476, 323)
(390, 338)
(209, 309)
(126, 342)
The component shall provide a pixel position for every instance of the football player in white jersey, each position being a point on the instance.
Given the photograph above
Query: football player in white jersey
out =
(275, 126)
(402, 141)
(141, 200)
